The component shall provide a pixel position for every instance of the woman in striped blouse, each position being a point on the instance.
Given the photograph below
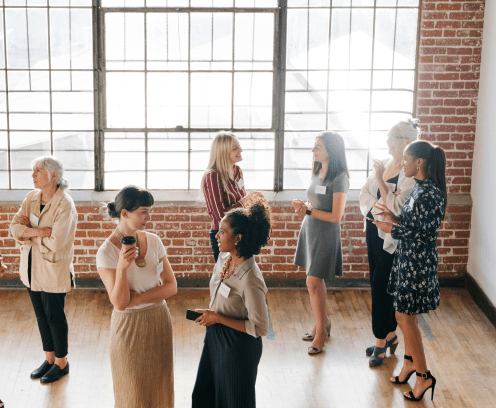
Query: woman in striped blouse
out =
(222, 184)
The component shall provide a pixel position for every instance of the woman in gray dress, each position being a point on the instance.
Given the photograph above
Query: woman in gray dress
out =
(319, 241)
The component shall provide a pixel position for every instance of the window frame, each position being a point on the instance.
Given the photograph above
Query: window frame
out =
(279, 82)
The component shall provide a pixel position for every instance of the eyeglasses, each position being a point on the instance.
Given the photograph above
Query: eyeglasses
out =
(393, 137)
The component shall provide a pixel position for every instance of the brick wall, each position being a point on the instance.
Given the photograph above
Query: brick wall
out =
(184, 232)
(448, 83)
(449, 62)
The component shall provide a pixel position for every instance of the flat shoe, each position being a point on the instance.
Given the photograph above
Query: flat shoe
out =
(55, 374)
(41, 370)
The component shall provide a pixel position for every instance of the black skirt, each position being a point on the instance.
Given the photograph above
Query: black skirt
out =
(228, 369)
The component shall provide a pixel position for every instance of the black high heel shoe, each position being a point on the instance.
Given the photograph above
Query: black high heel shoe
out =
(425, 376)
(397, 378)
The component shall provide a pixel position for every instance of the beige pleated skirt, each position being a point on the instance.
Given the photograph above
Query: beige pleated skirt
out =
(141, 357)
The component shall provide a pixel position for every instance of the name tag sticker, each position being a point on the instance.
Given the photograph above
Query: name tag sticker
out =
(224, 290)
(34, 220)
(410, 203)
(320, 189)
(241, 183)
(160, 268)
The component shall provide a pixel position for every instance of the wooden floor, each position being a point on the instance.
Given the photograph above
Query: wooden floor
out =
(460, 346)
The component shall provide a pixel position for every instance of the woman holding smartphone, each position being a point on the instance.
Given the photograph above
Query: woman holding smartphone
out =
(238, 314)
(319, 242)
(138, 278)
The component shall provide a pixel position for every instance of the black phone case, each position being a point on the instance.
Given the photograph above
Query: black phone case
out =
(192, 315)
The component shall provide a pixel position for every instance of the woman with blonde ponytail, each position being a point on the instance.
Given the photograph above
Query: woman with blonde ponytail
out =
(222, 185)
(413, 281)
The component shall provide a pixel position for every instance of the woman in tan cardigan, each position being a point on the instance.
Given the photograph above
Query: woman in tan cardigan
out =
(45, 227)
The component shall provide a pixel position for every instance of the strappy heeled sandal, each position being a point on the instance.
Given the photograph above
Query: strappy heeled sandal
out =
(425, 376)
(375, 360)
(389, 343)
(397, 378)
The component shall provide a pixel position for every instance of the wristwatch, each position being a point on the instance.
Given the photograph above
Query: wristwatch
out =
(308, 212)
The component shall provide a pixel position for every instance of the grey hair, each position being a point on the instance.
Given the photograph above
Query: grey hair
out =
(51, 164)
(408, 129)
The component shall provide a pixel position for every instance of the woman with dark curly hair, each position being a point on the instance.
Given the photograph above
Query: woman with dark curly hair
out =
(238, 315)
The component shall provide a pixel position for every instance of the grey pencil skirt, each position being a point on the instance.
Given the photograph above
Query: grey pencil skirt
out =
(141, 357)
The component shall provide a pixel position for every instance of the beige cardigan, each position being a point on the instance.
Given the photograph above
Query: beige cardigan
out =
(52, 259)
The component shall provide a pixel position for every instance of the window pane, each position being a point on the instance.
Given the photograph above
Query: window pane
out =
(296, 48)
(362, 27)
(124, 160)
(406, 34)
(211, 41)
(340, 39)
(125, 100)
(254, 45)
(167, 41)
(392, 101)
(253, 99)
(125, 41)
(167, 99)
(211, 100)
(384, 38)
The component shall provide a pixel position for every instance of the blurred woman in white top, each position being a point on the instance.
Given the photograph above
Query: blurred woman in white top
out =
(387, 183)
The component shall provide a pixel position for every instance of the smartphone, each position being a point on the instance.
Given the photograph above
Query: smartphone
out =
(192, 314)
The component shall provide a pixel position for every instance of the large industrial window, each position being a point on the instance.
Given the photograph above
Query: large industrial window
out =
(133, 91)
(46, 89)
(351, 68)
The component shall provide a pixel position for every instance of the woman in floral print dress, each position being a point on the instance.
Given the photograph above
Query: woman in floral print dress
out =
(413, 282)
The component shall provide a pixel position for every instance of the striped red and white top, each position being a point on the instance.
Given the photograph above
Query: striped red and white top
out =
(220, 200)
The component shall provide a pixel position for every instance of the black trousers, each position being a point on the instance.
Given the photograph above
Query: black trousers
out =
(52, 322)
(380, 264)
(214, 244)
(228, 369)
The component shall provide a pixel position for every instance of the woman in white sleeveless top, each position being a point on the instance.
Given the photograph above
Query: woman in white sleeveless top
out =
(138, 279)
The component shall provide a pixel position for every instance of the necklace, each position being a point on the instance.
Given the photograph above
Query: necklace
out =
(225, 273)
(140, 260)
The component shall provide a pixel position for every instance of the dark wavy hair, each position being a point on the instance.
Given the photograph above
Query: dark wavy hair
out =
(435, 163)
(129, 198)
(334, 145)
(254, 224)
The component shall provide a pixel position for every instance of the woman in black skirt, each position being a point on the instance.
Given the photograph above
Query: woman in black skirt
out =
(413, 282)
(237, 316)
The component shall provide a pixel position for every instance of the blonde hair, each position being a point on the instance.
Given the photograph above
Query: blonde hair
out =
(220, 153)
(408, 129)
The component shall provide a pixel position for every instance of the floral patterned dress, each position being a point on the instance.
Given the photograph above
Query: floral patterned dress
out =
(413, 281)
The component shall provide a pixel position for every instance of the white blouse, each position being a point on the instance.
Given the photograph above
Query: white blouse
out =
(138, 279)
(368, 197)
